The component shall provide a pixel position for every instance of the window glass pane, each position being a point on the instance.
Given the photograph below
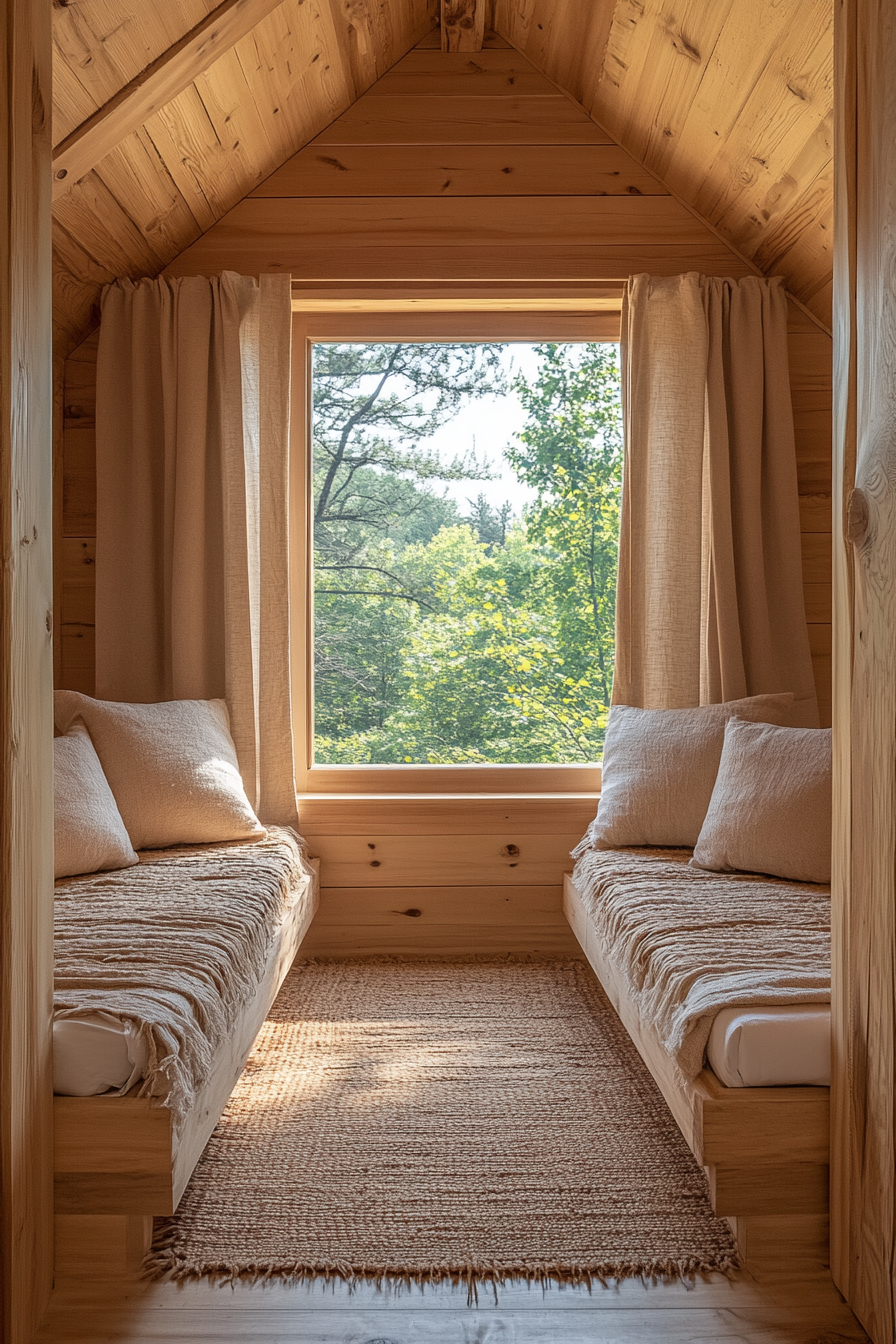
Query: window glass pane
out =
(466, 519)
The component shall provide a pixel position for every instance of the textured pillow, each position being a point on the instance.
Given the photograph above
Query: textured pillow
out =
(660, 766)
(771, 806)
(172, 768)
(88, 832)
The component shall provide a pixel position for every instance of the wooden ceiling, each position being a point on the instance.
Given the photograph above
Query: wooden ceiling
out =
(169, 180)
(727, 101)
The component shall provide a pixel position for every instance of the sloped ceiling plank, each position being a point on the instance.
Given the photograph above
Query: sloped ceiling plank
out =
(564, 38)
(273, 91)
(91, 214)
(203, 148)
(155, 86)
(776, 126)
(100, 45)
(72, 103)
(135, 173)
(77, 281)
(661, 58)
(729, 102)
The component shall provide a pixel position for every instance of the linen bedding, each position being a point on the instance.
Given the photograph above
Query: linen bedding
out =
(174, 948)
(691, 943)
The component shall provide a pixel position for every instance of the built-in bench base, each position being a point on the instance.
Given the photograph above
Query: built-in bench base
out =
(117, 1160)
(765, 1150)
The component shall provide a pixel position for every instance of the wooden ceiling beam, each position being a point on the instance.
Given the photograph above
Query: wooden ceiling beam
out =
(155, 86)
(463, 25)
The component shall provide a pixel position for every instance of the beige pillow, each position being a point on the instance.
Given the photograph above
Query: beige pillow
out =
(172, 768)
(88, 832)
(771, 807)
(659, 768)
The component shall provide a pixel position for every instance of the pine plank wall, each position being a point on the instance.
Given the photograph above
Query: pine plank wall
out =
(451, 173)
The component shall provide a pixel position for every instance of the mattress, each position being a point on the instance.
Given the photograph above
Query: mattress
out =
(685, 944)
(173, 950)
(771, 1047)
(94, 1054)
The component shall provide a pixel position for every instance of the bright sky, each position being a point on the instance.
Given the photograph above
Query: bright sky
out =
(488, 425)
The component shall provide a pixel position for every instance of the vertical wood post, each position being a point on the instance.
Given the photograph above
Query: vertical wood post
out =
(26, 668)
(463, 24)
(863, 1177)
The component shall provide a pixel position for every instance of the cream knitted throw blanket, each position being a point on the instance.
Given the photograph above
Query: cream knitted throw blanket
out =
(691, 942)
(176, 947)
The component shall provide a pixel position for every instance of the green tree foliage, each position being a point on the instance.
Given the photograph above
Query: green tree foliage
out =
(375, 407)
(571, 453)
(475, 638)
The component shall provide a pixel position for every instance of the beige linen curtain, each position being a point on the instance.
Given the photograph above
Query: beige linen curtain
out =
(192, 592)
(710, 600)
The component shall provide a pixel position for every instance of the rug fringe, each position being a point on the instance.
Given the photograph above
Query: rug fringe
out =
(166, 1262)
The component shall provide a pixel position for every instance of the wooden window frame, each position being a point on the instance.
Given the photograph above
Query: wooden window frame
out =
(321, 318)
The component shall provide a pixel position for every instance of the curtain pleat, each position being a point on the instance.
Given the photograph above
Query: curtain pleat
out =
(658, 598)
(710, 602)
(193, 383)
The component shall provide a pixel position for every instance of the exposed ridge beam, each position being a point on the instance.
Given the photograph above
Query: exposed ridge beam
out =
(155, 86)
(463, 25)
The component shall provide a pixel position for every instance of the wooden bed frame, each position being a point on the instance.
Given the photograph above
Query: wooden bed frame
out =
(117, 1161)
(766, 1150)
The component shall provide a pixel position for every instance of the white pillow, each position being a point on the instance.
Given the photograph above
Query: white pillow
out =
(172, 768)
(659, 768)
(88, 833)
(771, 806)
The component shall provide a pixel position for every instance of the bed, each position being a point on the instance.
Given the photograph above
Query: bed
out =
(178, 961)
(731, 970)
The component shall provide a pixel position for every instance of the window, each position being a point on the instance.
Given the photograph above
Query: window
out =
(462, 497)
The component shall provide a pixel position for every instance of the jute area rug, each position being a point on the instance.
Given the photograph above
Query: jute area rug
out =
(467, 1120)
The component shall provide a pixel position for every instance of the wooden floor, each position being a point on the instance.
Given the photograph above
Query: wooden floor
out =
(779, 1311)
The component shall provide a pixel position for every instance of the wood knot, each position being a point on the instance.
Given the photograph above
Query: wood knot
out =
(511, 851)
(413, 913)
(858, 516)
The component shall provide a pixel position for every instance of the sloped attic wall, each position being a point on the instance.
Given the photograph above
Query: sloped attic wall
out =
(453, 168)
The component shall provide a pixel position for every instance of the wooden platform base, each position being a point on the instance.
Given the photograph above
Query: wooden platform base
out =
(765, 1150)
(798, 1244)
(117, 1159)
(95, 1247)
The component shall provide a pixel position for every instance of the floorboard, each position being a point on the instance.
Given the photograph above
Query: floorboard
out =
(740, 1311)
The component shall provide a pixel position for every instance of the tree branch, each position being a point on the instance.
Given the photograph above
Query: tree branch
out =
(372, 592)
